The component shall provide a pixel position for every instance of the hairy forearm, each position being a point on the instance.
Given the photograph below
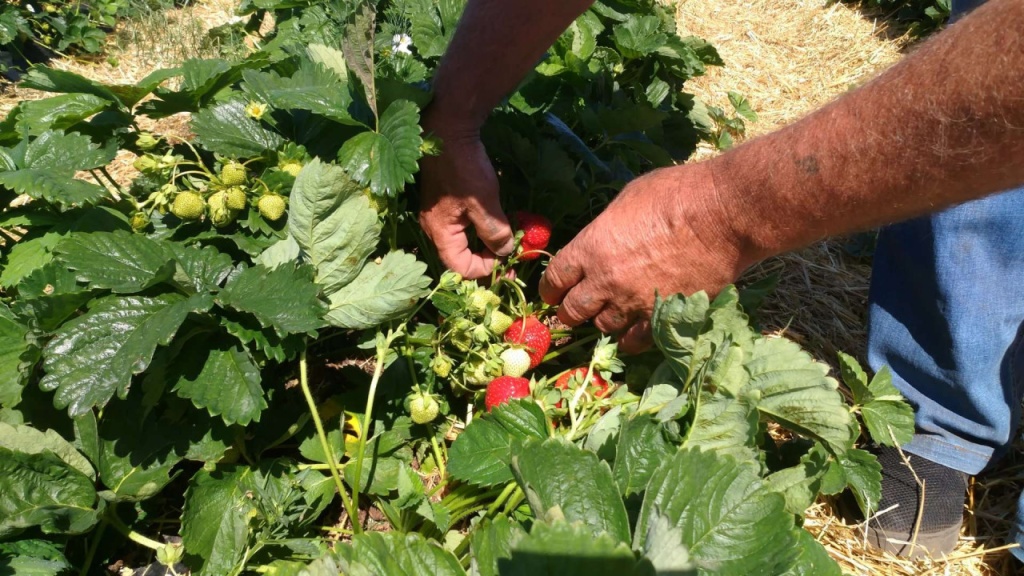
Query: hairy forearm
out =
(496, 45)
(944, 126)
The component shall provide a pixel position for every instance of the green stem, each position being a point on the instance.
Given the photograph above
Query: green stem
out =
(577, 344)
(328, 452)
(382, 352)
(517, 498)
(93, 546)
(438, 458)
(120, 191)
(111, 516)
(502, 498)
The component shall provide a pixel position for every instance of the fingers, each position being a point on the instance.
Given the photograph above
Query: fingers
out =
(491, 224)
(611, 320)
(579, 305)
(637, 338)
(453, 245)
(561, 275)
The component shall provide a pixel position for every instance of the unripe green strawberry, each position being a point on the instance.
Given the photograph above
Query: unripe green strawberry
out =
(476, 373)
(236, 198)
(480, 299)
(233, 174)
(481, 334)
(271, 206)
(499, 322)
(441, 365)
(220, 214)
(140, 220)
(462, 340)
(188, 206)
(423, 408)
(146, 163)
(378, 203)
(449, 280)
(515, 362)
(146, 141)
(292, 168)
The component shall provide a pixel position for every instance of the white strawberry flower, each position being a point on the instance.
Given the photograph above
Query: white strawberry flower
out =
(30, 8)
(401, 44)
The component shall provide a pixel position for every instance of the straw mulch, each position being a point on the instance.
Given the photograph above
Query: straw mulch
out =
(788, 58)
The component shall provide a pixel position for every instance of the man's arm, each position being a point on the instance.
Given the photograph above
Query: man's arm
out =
(497, 43)
(944, 126)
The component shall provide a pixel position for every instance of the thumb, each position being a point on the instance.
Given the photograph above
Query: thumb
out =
(491, 224)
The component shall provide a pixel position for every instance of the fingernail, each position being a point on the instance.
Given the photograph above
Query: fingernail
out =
(507, 248)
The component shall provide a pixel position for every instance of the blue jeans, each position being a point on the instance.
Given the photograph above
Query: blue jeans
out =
(947, 316)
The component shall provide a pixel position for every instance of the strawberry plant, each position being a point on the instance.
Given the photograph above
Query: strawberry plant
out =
(246, 360)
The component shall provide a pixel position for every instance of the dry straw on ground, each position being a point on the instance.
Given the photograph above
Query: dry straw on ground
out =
(789, 57)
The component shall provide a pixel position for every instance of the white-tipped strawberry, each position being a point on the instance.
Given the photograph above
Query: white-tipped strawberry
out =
(515, 362)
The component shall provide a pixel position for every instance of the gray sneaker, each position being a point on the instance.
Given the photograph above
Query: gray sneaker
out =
(941, 516)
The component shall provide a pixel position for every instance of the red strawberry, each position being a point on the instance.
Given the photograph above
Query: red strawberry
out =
(536, 234)
(598, 385)
(532, 334)
(504, 388)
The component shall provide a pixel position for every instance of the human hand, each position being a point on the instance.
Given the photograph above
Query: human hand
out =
(460, 189)
(666, 232)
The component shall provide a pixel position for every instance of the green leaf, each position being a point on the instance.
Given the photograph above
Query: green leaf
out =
(13, 347)
(742, 106)
(61, 81)
(481, 454)
(313, 87)
(382, 291)
(888, 417)
(95, 355)
(639, 36)
(797, 392)
(119, 261)
(32, 558)
(54, 188)
(28, 440)
(800, 484)
(556, 474)
(227, 130)
(813, 560)
(380, 474)
(731, 521)
(66, 153)
(43, 490)
(204, 269)
(663, 546)
(357, 47)
(387, 159)
(141, 439)
(570, 549)
(863, 474)
(643, 446)
(58, 112)
(491, 541)
(215, 520)
(221, 377)
(285, 298)
(396, 554)
(331, 220)
(28, 256)
(688, 330)
(724, 425)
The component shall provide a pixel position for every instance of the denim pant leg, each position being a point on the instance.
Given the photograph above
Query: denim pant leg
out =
(947, 316)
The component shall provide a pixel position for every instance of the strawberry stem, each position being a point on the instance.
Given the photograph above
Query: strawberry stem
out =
(324, 444)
